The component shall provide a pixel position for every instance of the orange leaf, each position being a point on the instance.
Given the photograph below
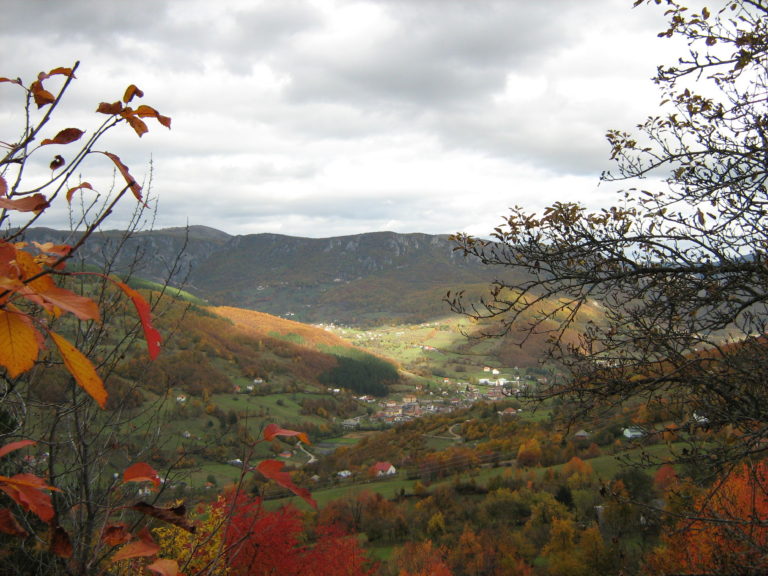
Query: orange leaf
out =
(72, 191)
(107, 108)
(18, 342)
(29, 492)
(64, 137)
(9, 524)
(164, 567)
(130, 92)
(81, 368)
(41, 95)
(8, 448)
(11, 80)
(273, 430)
(176, 515)
(81, 306)
(116, 534)
(273, 470)
(61, 545)
(59, 70)
(135, 122)
(33, 203)
(51, 248)
(145, 111)
(135, 188)
(141, 472)
(145, 546)
(151, 335)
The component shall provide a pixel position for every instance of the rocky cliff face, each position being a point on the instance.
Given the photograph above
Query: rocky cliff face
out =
(343, 279)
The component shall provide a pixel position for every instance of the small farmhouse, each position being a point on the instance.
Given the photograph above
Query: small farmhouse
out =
(382, 469)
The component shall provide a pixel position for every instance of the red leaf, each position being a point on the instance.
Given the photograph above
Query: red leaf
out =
(151, 335)
(145, 546)
(107, 108)
(64, 137)
(8, 448)
(176, 515)
(141, 472)
(130, 92)
(9, 524)
(29, 492)
(72, 191)
(61, 545)
(116, 534)
(57, 162)
(34, 203)
(273, 470)
(164, 567)
(132, 184)
(273, 430)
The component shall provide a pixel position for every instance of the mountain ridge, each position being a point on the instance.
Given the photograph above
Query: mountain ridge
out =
(356, 279)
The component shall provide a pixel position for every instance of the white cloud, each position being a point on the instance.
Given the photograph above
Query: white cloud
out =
(328, 117)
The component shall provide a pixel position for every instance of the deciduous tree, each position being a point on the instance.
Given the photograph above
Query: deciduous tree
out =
(676, 267)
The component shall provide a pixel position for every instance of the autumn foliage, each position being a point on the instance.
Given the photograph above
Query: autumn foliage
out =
(725, 534)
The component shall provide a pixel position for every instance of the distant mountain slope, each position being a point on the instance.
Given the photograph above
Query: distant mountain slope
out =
(363, 279)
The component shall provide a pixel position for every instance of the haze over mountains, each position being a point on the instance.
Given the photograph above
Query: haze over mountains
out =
(361, 279)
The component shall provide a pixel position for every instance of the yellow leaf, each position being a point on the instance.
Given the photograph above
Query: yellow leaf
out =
(81, 368)
(18, 342)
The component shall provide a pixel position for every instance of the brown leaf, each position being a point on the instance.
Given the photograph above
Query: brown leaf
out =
(72, 191)
(132, 184)
(116, 534)
(107, 108)
(3, 187)
(130, 92)
(57, 162)
(34, 203)
(11, 80)
(9, 524)
(61, 545)
(64, 137)
(176, 515)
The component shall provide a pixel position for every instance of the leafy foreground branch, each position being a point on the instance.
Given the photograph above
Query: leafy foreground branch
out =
(678, 267)
(62, 333)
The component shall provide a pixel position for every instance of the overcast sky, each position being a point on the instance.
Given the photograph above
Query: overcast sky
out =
(331, 117)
